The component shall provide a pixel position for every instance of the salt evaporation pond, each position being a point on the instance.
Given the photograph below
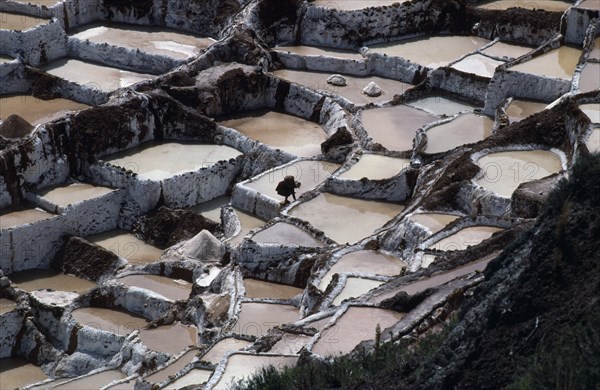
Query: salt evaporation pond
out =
(394, 127)
(518, 110)
(241, 366)
(41, 279)
(590, 77)
(354, 288)
(308, 172)
(375, 167)
(64, 196)
(320, 51)
(436, 280)
(173, 368)
(20, 22)
(593, 141)
(289, 133)
(93, 382)
(290, 344)
(469, 236)
(506, 50)
(116, 321)
(23, 214)
(171, 339)
(147, 39)
(478, 64)
(263, 289)
(592, 110)
(364, 261)
(558, 63)
(432, 52)
(223, 346)
(336, 216)
(173, 289)
(282, 233)
(355, 325)
(465, 129)
(589, 4)
(503, 172)
(439, 105)
(257, 318)
(546, 5)
(353, 91)
(247, 222)
(127, 246)
(194, 377)
(351, 5)
(6, 305)
(37, 111)
(17, 372)
(103, 78)
(212, 208)
(434, 222)
(156, 160)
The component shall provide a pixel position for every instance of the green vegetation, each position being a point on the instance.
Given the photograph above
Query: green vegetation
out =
(388, 360)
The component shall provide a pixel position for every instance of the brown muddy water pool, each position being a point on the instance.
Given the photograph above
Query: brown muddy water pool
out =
(37, 111)
(126, 245)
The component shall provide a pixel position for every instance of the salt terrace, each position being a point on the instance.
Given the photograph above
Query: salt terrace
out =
(141, 148)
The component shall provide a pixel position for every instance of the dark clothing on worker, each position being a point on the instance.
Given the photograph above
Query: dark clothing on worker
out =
(287, 187)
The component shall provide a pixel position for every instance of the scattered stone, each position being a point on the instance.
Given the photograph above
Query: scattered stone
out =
(338, 80)
(372, 90)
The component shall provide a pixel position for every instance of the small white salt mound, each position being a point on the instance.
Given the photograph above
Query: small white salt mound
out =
(338, 80)
(372, 90)
(203, 246)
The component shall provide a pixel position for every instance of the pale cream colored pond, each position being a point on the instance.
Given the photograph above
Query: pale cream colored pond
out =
(262, 289)
(64, 196)
(592, 110)
(432, 52)
(20, 22)
(162, 160)
(350, 5)
(354, 288)
(247, 222)
(309, 173)
(353, 91)
(439, 105)
(366, 261)
(171, 339)
(558, 63)
(6, 305)
(212, 208)
(320, 51)
(518, 110)
(37, 279)
(290, 344)
(590, 77)
(172, 368)
(173, 289)
(17, 372)
(103, 78)
(37, 111)
(355, 325)
(506, 50)
(229, 344)
(336, 216)
(465, 129)
(478, 64)
(375, 167)
(395, 127)
(14, 216)
(589, 4)
(434, 222)
(152, 40)
(289, 133)
(593, 141)
(257, 318)
(241, 366)
(436, 280)
(93, 382)
(127, 246)
(546, 5)
(503, 172)
(116, 321)
(465, 237)
(286, 234)
(194, 377)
